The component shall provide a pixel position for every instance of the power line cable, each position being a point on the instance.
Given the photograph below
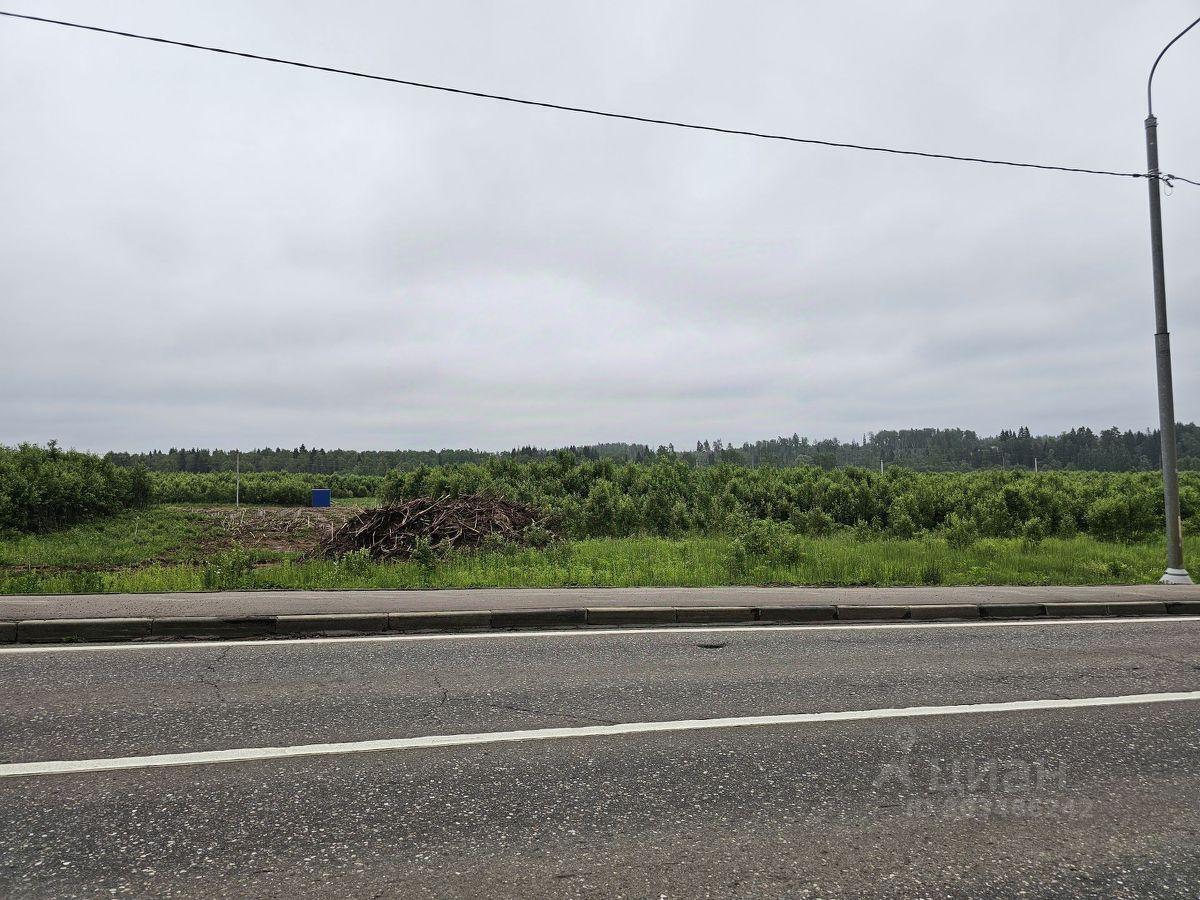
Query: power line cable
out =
(840, 145)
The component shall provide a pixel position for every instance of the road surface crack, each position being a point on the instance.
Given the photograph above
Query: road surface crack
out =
(210, 667)
(445, 698)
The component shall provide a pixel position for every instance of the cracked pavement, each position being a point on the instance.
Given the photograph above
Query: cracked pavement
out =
(764, 811)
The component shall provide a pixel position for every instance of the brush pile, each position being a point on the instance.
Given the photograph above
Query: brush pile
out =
(447, 523)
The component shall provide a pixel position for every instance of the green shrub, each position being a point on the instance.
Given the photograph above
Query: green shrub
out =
(608, 512)
(764, 541)
(812, 522)
(46, 488)
(902, 526)
(961, 532)
(495, 542)
(536, 536)
(1124, 518)
(1033, 533)
(424, 555)
(666, 497)
(863, 532)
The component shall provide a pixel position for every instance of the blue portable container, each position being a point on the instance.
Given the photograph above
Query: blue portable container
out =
(322, 497)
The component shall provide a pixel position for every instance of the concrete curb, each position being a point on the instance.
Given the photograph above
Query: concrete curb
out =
(450, 620)
(793, 614)
(949, 611)
(631, 615)
(48, 631)
(1011, 610)
(1184, 608)
(712, 615)
(202, 627)
(564, 617)
(331, 624)
(1137, 608)
(872, 613)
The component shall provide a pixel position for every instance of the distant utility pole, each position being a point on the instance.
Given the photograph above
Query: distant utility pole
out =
(237, 485)
(1176, 572)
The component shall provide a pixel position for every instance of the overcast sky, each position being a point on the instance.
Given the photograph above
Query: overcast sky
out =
(205, 251)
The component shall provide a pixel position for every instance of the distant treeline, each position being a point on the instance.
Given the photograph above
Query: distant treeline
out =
(919, 449)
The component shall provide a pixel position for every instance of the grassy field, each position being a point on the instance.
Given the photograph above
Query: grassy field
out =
(158, 533)
(356, 502)
(185, 548)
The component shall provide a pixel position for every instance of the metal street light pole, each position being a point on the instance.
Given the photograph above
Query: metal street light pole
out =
(1176, 573)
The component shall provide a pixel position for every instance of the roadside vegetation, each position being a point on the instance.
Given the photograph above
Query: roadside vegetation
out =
(74, 523)
(46, 488)
(276, 488)
(669, 498)
(699, 561)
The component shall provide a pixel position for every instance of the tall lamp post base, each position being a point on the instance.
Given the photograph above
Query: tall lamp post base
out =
(1175, 576)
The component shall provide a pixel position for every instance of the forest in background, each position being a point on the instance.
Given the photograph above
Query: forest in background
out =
(919, 449)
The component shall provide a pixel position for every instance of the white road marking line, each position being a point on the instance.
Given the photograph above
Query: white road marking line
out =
(69, 766)
(575, 632)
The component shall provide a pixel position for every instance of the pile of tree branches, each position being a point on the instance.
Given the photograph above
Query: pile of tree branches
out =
(398, 531)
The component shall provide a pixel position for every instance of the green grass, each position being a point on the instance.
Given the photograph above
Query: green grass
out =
(624, 562)
(357, 502)
(166, 533)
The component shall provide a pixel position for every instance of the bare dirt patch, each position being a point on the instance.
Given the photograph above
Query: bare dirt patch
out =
(282, 529)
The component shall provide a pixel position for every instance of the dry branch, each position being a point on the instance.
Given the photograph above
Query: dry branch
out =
(441, 524)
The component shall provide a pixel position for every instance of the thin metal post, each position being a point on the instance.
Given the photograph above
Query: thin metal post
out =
(1176, 573)
(237, 489)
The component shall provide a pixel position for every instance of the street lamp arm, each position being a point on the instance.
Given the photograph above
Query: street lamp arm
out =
(1157, 59)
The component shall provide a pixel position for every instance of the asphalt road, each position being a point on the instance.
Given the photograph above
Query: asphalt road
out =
(1055, 800)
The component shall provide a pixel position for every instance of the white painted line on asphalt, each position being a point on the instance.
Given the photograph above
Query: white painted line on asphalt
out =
(70, 766)
(577, 632)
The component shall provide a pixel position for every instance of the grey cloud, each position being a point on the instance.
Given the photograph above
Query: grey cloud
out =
(206, 251)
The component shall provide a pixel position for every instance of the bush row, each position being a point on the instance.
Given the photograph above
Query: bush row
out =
(280, 488)
(43, 488)
(596, 499)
